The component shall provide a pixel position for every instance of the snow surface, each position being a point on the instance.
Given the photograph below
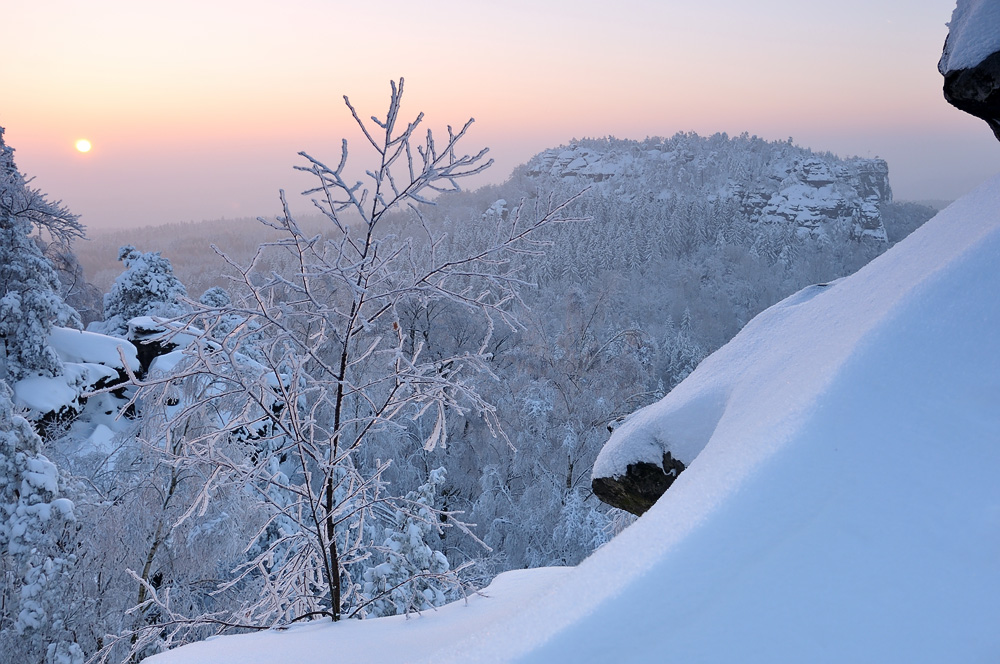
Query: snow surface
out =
(87, 357)
(90, 347)
(972, 35)
(44, 394)
(842, 504)
(393, 639)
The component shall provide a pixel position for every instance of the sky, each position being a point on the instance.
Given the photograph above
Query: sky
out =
(197, 110)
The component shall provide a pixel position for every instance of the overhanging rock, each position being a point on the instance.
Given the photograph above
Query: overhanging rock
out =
(970, 62)
(641, 485)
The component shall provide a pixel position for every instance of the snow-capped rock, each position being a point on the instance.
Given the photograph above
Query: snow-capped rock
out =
(771, 182)
(90, 361)
(640, 487)
(575, 161)
(970, 62)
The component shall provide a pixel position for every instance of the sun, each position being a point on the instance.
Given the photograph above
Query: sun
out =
(83, 145)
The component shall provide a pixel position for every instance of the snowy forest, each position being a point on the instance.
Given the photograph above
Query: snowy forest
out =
(377, 408)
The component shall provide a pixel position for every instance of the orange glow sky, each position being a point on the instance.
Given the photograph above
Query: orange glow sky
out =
(196, 110)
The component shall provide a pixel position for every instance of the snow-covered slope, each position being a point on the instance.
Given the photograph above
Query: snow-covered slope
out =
(843, 506)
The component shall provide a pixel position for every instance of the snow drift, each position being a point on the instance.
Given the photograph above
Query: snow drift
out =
(972, 35)
(841, 504)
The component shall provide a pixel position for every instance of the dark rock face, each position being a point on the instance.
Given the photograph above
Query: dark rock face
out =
(640, 487)
(977, 91)
(149, 344)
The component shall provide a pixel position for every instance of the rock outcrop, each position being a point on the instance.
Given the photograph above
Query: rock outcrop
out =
(641, 485)
(970, 62)
(976, 90)
(818, 198)
(773, 182)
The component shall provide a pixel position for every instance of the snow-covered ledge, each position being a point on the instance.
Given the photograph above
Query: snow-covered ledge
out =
(970, 62)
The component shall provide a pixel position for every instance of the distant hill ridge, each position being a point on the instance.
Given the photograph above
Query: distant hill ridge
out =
(771, 181)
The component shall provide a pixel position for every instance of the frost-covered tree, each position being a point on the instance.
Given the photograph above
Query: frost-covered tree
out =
(30, 303)
(36, 555)
(573, 372)
(224, 323)
(341, 379)
(581, 527)
(147, 287)
(84, 297)
(215, 298)
(413, 576)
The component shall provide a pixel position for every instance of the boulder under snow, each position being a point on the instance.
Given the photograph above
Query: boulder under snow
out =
(970, 62)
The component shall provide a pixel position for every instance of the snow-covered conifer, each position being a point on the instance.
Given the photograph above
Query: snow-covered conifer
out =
(582, 526)
(227, 325)
(414, 576)
(215, 297)
(30, 301)
(36, 564)
(147, 287)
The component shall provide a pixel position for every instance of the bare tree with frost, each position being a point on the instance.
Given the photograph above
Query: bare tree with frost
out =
(300, 421)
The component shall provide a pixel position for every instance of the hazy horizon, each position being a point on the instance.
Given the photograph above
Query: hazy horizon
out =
(197, 112)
